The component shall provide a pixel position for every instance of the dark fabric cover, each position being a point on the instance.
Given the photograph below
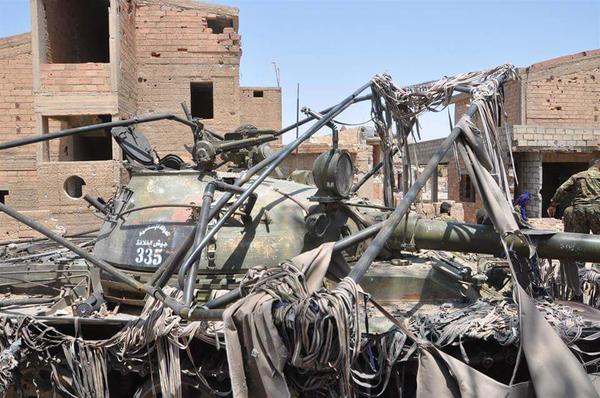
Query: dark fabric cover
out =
(255, 351)
(555, 371)
(441, 375)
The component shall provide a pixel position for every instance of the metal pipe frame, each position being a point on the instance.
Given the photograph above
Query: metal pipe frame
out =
(331, 125)
(372, 230)
(162, 275)
(324, 111)
(384, 229)
(166, 270)
(245, 177)
(388, 226)
(188, 284)
(243, 143)
(236, 293)
(121, 276)
(92, 127)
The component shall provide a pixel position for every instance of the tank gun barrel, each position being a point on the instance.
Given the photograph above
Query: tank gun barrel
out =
(415, 232)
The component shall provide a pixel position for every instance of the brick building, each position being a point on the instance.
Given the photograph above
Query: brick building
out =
(554, 129)
(87, 61)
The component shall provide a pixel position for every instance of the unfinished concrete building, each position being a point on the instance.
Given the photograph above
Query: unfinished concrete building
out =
(87, 61)
(553, 125)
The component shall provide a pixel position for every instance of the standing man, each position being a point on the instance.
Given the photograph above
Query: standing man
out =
(583, 216)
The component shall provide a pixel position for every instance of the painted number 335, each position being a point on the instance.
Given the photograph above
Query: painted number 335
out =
(148, 256)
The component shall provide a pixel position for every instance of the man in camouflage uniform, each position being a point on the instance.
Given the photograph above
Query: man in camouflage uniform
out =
(582, 216)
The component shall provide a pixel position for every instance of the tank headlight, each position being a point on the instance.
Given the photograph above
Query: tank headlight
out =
(333, 173)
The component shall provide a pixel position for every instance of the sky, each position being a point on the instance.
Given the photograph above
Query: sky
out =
(332, 47)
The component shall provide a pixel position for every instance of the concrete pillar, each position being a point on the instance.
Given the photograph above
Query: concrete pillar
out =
(529, 173)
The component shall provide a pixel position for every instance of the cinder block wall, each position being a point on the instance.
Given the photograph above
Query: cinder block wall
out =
(529, 175)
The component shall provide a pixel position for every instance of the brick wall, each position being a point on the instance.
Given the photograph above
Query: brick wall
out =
(469, 208)
(261, 106)
(75, 31)
(18, 165)
(75, 78)
(158, 47)
(53, 207)
(564, 92)
(101, 178)
(18, 171)
(174, 47)
(127, 86)
(512, 101)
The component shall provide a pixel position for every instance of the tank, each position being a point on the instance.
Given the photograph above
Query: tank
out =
(160, 208)
(200, 270)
